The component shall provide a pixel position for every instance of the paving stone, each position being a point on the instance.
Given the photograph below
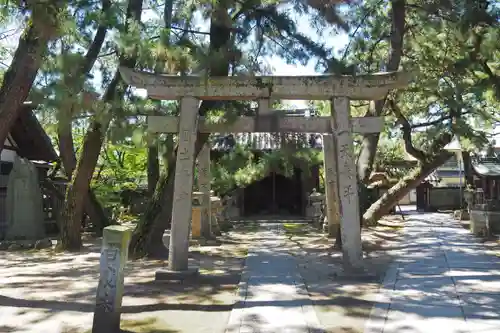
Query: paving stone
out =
(432, 285)
(457, 257)
(429, 262)
(435, 298)
(481, 299)
(483, 326)
(478, 284)
(424, 318)
(445, 282)
(463, 264)
(471, 272)
(275, 299)
(414, 271)
(480, 312)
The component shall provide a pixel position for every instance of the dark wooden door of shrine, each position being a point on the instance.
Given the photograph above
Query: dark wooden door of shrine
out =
(274, 195)
(422, 197)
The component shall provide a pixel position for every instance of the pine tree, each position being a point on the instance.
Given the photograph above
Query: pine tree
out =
(222, 58)
(94, 138)
(42, 25)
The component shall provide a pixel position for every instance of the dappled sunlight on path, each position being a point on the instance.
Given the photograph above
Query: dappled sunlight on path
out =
(443, 280)
(48, 292)
(273, 295)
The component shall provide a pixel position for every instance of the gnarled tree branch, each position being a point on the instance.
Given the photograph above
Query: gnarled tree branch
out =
(406, 129)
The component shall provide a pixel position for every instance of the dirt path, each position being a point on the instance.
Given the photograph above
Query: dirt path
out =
(43, 291)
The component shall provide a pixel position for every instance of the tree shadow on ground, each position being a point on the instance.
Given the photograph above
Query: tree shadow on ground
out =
(343, 303)
(55, 283)
(52, 284)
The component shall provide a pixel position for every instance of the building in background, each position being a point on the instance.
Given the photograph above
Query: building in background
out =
(27, 139)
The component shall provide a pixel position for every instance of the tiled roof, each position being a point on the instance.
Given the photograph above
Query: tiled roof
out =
(487, 167)
(433, 178)
(30, 138)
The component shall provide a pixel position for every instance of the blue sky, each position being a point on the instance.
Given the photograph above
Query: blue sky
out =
(280, 67)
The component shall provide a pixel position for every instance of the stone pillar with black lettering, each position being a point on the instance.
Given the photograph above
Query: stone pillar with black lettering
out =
(178, 261)
(347, 185)
(114, 256)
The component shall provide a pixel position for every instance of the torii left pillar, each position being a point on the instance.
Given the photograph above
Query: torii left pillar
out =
(178, 267)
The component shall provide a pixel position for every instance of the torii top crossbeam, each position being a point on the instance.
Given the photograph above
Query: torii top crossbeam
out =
(320, 87)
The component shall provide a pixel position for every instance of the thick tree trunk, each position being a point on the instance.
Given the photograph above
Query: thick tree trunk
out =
(92, 206)
(73, 82)
(469, 174)
(96, 214)
(153, 160)
(22, 72)
(366, 157)
(141, 244)
(389, 199)
(148, 234)
(369, 145)
(77, 191)
(153, 168)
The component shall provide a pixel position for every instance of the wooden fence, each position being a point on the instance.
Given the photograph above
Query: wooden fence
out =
(431, 199)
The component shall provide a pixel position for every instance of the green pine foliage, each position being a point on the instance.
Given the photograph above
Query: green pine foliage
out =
(451, 47)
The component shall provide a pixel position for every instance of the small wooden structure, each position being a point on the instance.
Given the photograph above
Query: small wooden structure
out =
(275, 193)
(486, 177)
(484, 198)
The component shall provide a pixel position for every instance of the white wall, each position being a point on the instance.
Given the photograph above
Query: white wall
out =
(413, 196)
(7, 155)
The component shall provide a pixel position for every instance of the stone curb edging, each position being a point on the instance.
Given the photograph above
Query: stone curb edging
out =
(310, 316)
(234, 322)
(379, 311)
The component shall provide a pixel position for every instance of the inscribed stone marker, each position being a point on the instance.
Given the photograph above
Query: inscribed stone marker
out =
(114, 254)
(24, 206)
(331, 186)
(348, 186)
(183, 185)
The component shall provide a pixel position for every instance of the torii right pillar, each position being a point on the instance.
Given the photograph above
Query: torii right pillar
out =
(347, 185)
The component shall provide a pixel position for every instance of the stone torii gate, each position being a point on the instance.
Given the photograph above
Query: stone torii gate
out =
(340, 169)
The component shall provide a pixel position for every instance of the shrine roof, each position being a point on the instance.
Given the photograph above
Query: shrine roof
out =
(489, 167)
(433, 178)
(31, 140)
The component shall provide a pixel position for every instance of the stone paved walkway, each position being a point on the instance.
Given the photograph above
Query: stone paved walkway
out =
(442, 281)
(273, 296)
